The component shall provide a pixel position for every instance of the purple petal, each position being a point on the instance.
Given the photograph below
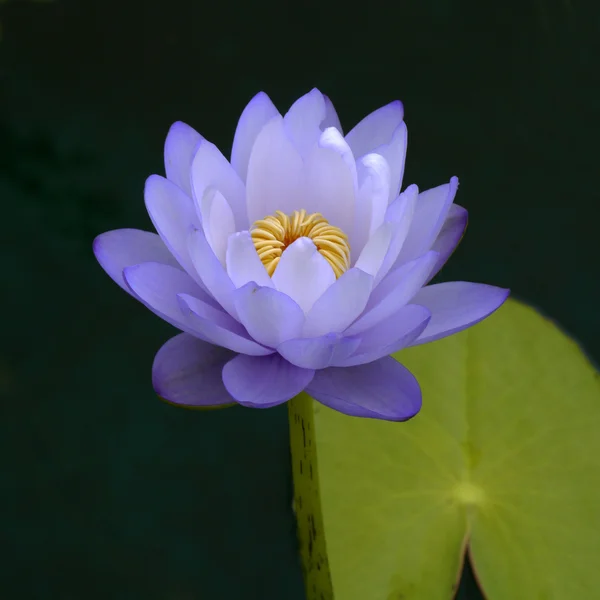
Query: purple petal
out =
(375, 129)
(211, 271)
(156, 286)
(456, 305)
(340, 304)
(269, 316)
(319, 352)
(174, 215)
(395, 291)
(259, 111)
(219, 328)
(243, 262)
(217, 221)
(331, 117)
(430, 213)
(264, 381)
(121, 248)
(302, 122)
(449, 237)
(276, 179)
(390, 335)
(303, 273)
(180, 146)
(383, 389)
(188, 371)
(211, 169)
(331, 180)
(394, 153)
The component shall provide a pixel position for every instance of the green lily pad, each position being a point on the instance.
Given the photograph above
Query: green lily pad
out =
(504, 459)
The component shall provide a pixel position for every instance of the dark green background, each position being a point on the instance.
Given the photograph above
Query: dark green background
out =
(109, 493)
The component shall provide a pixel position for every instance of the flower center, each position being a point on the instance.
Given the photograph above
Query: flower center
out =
(273, 234)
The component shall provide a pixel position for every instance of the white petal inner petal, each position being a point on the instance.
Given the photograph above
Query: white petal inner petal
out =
(303, 274)
(217, 221)
(243, 263)
(373, 254)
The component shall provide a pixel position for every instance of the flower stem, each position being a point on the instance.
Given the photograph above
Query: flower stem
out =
(317, 577)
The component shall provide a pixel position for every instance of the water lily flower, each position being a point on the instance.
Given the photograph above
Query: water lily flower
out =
(297, 265)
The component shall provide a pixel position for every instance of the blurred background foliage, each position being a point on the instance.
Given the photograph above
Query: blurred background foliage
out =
(109, 493)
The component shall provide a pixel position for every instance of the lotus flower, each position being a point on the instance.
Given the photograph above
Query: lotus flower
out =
(296, 266)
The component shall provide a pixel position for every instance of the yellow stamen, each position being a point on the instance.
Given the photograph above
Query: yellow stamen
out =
(273, 234)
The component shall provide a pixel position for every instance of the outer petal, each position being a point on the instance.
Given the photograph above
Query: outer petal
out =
(375, 129)
(341, 303)
(394, 153)
(219, 328)
(390, 335)
(259, 111)
(269, 316)
(303, 274)
(264, 381)
(187, 371)
(430, 213)
(211, 169)
(383, 389)
(211, 271)
(243, 263)
(217, 221)
(449, 237)
(276, 179)
(156, 286)
(331, 117)
(319, 352)
(121, 248)
(172, 213)
(302, 122)
(180, 146)
(457, 305)
(396, 290)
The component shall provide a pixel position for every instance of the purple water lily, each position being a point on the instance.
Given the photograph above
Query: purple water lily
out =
(296, 266)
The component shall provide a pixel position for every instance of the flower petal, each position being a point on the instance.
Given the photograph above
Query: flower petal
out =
(396, 290)
(156, 286)
(331, 117)
(318, 352)
(121, 248)
(211, 169)
(302, 122)
(211, 271)
(243, 263)
(219, 328)
(187, 371)
(394, 153)
(375, 129)
(449, 237)
(276, 179)
(373, 254)
(400, 214)
(389, 335)
(173, 215)
(180, 146)
(341, 303)
(269, 316)
(264, 381)
(456, 305)
(331, 180)
(430, 213)
(384, 389)
(217, 221)
(259, 111)
(303, 274)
